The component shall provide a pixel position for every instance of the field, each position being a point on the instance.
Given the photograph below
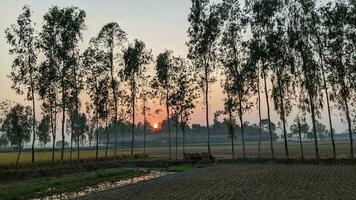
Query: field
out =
(220, 151)
(239, 181)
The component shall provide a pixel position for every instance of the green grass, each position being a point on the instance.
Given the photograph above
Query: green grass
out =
(46, 186)
(180, 168)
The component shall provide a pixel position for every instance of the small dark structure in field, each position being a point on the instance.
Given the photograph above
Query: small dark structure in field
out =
(202, 158)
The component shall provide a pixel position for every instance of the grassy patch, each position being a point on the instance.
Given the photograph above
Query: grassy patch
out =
(180, 168)
(54, 185)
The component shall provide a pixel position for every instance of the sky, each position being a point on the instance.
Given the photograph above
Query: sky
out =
(161, 24)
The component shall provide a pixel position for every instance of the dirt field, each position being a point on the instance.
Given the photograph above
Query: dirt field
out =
(232, 181)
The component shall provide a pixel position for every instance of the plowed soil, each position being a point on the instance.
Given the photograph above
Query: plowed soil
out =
(245, 181)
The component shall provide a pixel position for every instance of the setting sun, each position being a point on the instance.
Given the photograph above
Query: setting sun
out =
(155, 126)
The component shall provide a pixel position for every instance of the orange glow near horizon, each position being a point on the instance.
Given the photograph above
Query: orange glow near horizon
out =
(155, 126)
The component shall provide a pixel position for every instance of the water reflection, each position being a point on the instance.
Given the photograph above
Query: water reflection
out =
(105, 186)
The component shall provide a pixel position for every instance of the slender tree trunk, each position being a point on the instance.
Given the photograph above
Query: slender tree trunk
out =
(207, 105)
(268, 113)
(283, 117)
(314, 126)
(133, 117)
(71, 140)
(169, 127)
(113, 86)
(33, 123)
(176, 137)
(107, 139)
(63, 116)
(18, 155)
(123, 138)
(242, 129)
(97, 139)
(300, 139)
(78, 147)
(232, 135)
(326, 92)
(349, 123)
(144, 128)
(259, 115)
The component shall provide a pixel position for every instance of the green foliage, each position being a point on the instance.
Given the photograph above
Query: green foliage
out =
(17, 125)
(43, 130)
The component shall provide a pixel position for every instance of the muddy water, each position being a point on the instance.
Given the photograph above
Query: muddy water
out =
(106, 186)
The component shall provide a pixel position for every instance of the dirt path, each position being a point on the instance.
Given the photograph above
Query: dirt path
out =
(246, 182)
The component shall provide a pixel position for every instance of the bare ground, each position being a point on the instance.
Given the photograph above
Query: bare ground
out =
(246, 181)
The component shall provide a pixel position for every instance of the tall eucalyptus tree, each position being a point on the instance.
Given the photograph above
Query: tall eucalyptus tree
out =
(136, 59)
(184, 94)
(203, 33)
(111, 41)
(22, 38)
(163, 86)
(262, 13)
(300, 35)
(62, 30)
(240, 73)
(339, 58)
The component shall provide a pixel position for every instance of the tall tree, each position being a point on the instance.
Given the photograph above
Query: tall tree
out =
(339, 58)
(62, 30)
(44, 130)
(262, 13)
(111, 40)
(22, 38)
(184, 95)
(282, 71)
(203, 33)
(17, 125)
(136, 57)
(163, 85)
(319, 35)
(300, 35)
(97, 84)
(240, 74)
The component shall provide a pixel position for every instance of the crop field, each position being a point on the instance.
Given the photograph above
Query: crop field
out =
(220, 151)
(246, 181)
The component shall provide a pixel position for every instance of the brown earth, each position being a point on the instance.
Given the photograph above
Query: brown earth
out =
(245, 181)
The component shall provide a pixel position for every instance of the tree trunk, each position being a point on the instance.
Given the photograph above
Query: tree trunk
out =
(232, 135)
(207, 105)
(268, 114)
(123, 138)
(97, 139)
(283, 117)
(78, 148)
(326, 92)
(107, 139)
(242, 129)
(314, 126)
(144, 128)
(71, 140)
(347, 112)
(300, 139)
(169, 127)
(176, 137)
(33, 124)
(133, 117)
(113, 87)
(63, 117)
(259, 116)
(18, 156)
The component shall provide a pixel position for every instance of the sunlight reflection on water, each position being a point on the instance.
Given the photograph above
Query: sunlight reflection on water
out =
(105, 186)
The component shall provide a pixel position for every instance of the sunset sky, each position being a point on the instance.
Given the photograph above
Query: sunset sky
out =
(161, 24)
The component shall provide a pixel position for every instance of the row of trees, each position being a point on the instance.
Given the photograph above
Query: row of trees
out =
(112, 71)
(304, 49)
